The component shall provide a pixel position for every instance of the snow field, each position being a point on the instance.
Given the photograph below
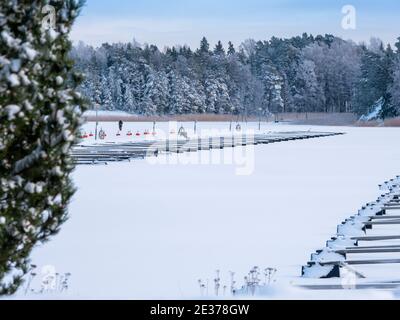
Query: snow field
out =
(151, 231)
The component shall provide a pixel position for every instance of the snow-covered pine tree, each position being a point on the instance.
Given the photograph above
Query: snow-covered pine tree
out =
(219, 49)
(155, 93)
(211, 90)
(136, 84)
(175, 98)
(395, 87)
(204, 46)
(389, 110)
(273, 84)
(231, 49)
(197, 97)
(375, 80)
(115, 87)
(350, 77)
(39, 115)
(106, 93)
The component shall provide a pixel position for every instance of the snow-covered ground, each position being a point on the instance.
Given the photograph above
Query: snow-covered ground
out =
(139, 230)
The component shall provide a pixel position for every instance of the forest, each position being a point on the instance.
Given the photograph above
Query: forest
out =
(301, 74)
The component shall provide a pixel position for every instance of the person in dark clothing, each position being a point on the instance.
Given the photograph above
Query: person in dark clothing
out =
(121, 124)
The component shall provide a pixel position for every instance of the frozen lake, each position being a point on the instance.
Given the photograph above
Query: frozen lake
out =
(139, 230)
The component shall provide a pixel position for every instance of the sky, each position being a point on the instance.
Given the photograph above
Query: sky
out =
(185, 22)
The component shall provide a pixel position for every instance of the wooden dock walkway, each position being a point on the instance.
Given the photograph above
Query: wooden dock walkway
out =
(104, 153)
(351, 239)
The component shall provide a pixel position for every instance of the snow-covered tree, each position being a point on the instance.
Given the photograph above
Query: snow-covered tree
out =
(375, 80)
(39, 115)
(176, 100)
(272, 88)
(337, 68)
(156, 93)
(395, 87)
(106, 93)
(302, 73)
(231, 49)
(204, 46)
(219, 49)
(309, 95)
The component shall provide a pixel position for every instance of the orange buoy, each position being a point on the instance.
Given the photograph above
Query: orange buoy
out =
(138, 134)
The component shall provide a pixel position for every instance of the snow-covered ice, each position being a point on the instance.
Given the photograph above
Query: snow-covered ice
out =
(142, 231)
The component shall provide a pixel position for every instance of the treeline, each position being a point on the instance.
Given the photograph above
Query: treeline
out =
(300, 74)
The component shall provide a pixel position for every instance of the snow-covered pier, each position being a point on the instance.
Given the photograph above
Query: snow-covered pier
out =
(375, 223)
(103, 153)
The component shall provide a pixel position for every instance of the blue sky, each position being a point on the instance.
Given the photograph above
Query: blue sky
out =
(172, 22)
